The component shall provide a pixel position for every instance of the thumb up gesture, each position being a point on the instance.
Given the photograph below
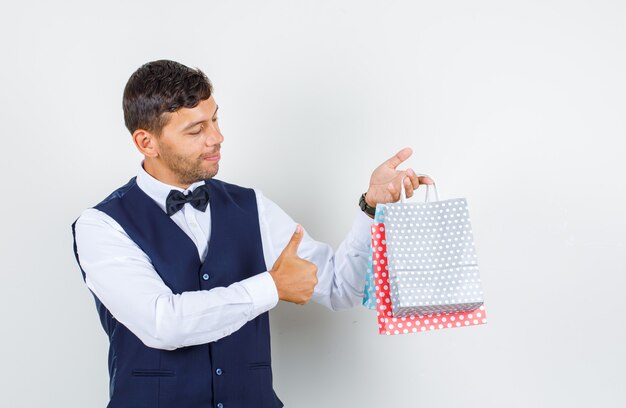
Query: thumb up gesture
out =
(295, 277)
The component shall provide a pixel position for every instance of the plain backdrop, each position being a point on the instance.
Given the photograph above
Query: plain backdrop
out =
(517, 106)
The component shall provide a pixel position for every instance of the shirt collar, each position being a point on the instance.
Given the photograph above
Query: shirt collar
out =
(158, 190)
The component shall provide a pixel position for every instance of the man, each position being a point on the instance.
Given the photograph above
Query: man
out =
(178, 262)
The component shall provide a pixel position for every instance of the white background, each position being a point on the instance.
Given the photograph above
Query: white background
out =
(517, 106)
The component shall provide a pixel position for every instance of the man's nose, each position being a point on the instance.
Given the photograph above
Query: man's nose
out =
(214, 137)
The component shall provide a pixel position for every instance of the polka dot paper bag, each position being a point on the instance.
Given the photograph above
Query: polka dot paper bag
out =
(387, 323)
(432, 261)
(436, 276)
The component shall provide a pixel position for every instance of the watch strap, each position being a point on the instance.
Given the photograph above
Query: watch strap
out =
(365, 207)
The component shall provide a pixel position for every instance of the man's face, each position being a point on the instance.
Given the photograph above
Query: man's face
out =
(189, 145)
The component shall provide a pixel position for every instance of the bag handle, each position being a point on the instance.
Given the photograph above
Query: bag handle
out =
(426, 199)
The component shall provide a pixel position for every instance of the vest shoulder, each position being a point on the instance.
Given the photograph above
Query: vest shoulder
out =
(117, 194)
(241, 196)
(229, 187)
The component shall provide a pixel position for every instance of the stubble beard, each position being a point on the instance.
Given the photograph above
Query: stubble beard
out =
(187, 171)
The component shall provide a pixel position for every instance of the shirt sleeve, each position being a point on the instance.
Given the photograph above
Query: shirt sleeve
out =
(123, 278)
(340, 274)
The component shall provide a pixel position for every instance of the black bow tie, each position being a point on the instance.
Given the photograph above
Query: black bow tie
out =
(199, 199)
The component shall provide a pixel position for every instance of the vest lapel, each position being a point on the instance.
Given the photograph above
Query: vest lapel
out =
(164, 242)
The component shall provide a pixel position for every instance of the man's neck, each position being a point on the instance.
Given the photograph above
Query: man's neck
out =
(163, 175)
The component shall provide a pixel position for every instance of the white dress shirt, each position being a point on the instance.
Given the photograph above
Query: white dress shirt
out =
(122, 277)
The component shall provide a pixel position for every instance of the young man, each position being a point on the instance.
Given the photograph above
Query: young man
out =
(184, 268)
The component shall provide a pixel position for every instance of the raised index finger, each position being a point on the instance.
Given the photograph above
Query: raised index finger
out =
(399, 157)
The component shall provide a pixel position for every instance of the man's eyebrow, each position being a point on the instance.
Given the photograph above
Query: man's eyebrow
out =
(192, 124)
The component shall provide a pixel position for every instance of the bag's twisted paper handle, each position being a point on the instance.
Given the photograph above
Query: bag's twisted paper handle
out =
(426, 200)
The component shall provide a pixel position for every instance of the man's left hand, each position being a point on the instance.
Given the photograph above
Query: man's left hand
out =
(385, 181)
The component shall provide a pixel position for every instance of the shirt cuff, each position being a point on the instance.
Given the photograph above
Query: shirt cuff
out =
(262, 290)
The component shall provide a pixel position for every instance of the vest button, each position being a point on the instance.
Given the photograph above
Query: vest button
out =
(220, 405)
(218, 371)
(205, 276)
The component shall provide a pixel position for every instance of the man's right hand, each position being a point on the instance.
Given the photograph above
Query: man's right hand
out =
(295, 277)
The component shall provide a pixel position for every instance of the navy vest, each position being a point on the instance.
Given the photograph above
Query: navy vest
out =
(233, 372)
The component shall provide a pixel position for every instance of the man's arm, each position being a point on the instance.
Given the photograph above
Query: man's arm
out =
(340, 274)
(122, 277)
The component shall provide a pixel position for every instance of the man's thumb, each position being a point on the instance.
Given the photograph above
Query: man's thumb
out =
(294, 242)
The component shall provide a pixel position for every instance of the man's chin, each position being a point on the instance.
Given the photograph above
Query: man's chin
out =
(212, 173)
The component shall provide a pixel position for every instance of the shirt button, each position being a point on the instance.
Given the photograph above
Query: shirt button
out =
(205, 276)
(218, 371)
(220, 405)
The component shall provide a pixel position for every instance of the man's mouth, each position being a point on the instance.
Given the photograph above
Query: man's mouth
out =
(211, 156)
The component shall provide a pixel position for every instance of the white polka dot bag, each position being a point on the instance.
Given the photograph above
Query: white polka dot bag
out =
(425, 274)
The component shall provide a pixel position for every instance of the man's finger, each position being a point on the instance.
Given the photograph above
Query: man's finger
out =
(408, 187)
(395, 193)
(417, 180)
(425, 180)
(401, 156)
(294, 242)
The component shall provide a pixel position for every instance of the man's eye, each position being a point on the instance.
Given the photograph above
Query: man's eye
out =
(214, 119)
(199, 130)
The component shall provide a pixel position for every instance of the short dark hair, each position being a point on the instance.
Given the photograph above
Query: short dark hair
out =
(160, 87)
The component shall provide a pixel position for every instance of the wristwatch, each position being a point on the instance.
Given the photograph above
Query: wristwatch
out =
(366, 208)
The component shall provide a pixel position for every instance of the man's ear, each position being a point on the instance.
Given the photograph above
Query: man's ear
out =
(146, 143)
